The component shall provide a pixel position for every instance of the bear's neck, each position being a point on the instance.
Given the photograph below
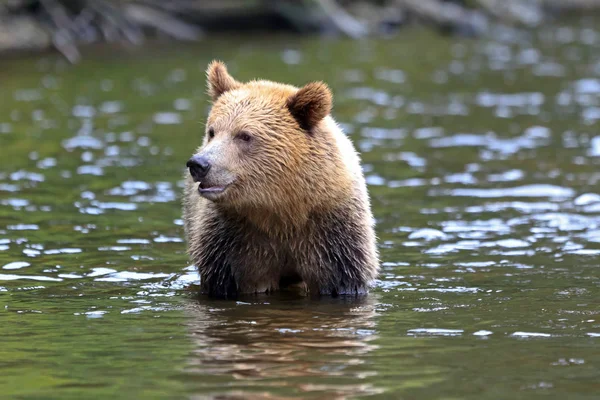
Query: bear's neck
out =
(275, 223)
(279, 224)
(282, 223)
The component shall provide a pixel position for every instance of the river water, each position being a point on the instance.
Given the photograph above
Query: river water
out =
(482, 162)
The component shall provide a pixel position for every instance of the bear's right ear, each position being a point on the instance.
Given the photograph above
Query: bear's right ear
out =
(310, 104)
(218, 80)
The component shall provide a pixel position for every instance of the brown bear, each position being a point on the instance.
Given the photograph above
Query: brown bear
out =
(275, 196)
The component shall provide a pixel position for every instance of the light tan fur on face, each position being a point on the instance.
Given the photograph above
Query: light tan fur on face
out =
(288, 171)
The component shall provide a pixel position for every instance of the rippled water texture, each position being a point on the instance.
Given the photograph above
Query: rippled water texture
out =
(482, 163)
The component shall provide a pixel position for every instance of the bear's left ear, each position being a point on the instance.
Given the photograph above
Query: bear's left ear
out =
(218, 80)
(310, 104)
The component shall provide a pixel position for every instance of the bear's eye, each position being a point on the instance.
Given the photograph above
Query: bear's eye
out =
(244, 136)
(211, 133)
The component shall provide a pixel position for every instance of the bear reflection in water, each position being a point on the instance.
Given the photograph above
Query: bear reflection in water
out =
(300, 347)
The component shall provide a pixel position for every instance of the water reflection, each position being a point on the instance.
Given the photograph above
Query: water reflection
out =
(295, 346)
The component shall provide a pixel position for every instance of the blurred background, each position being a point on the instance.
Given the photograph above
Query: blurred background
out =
(64, 24)
(477, 123)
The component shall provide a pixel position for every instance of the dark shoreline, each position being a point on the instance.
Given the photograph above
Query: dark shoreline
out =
(69, 26)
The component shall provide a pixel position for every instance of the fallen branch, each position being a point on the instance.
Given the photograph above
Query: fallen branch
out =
(342, 20)
(61, 38)
(161, 21)
(527, 13)
(446, 14)
(113, 16)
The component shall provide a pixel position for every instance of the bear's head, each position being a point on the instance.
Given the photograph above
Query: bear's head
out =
(268, 147)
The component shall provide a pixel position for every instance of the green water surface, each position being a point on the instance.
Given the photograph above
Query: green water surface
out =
(482, 164)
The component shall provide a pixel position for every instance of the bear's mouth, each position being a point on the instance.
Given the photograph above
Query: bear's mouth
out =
(205, 189)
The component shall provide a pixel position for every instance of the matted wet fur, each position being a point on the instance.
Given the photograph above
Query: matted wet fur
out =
(284, 201)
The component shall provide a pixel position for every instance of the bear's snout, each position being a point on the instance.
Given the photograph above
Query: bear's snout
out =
(199, 167)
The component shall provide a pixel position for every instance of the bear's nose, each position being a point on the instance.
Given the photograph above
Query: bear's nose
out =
(199, 167)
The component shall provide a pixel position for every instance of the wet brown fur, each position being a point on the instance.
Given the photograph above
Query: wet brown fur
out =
(294, 212)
